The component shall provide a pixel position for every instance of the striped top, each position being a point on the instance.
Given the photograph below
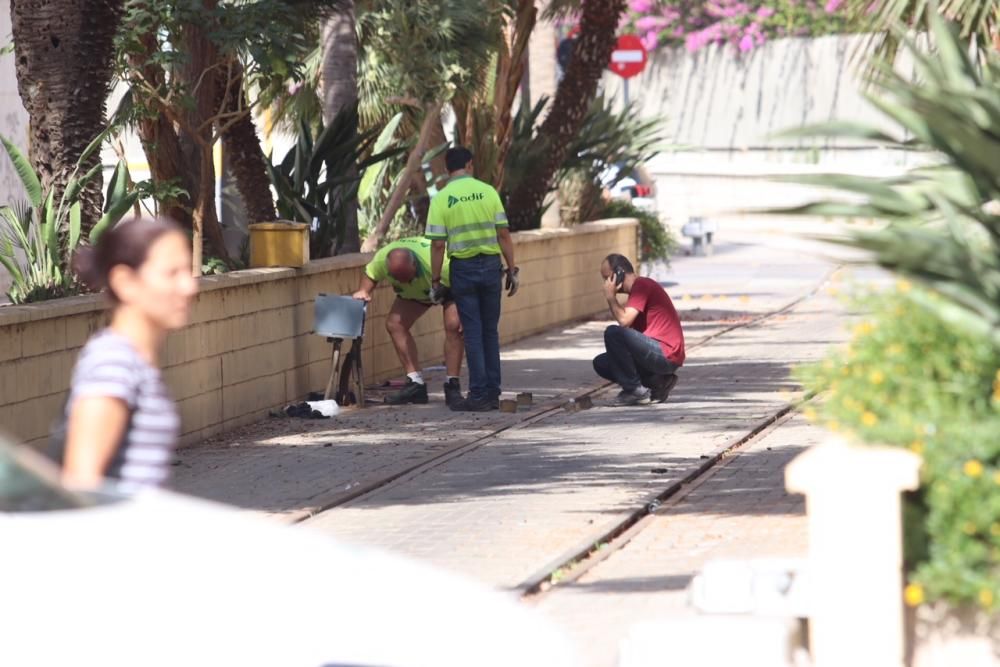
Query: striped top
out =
(110, 366)
(466, 214)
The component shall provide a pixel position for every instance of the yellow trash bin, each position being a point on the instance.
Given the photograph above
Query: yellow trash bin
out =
(279, 244)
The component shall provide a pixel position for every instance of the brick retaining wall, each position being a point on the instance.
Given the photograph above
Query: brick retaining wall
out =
(249, 348)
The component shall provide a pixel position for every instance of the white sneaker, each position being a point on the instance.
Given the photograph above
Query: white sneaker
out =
(638, 396)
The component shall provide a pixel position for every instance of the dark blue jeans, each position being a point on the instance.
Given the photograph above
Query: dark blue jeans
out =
(632, 359)
(476, 287)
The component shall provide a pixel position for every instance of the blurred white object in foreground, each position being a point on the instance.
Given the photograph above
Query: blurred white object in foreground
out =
(162, 579)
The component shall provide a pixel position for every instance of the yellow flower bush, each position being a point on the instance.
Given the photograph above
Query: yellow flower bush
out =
(986, 598)
(913, 594)
(912, 381)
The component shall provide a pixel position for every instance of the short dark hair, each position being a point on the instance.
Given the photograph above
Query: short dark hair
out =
(456, 158)
(616, 261)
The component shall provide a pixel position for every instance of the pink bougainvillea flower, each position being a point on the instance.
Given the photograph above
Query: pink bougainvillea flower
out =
(746, 43)
(832, 6)
(694, 41)
(649, 23)
(671, 14)
(767, 12)
(641, 6)
(650, 40)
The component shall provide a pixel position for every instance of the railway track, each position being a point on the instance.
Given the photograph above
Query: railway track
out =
(575, 562)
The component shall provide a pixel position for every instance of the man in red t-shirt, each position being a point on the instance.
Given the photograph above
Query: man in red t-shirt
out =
(646, 347)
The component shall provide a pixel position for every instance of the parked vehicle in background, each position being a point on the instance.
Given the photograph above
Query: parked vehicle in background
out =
(635, 187)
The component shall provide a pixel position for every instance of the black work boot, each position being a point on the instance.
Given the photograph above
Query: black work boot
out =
(411, 392)
(470, 404)
(452, 392)
(661, 386)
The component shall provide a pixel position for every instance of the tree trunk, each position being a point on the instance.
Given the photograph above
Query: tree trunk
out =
(591, 54)
(246, 157)
(485, 122)
(432, 114)
(339, 73)
(511, 68)
(162, 147)
(339, 85)
(63, 52)
(437, 137)
(205, 79)
(203, 208)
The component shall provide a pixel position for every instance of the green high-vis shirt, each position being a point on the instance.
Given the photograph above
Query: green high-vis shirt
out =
(418, 288)
(466, 214)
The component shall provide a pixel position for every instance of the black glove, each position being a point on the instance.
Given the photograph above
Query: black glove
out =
(513, 281)
(437, 293)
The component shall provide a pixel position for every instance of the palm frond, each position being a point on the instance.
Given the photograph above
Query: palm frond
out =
(977, 21)
(423, 51)
(943, 218)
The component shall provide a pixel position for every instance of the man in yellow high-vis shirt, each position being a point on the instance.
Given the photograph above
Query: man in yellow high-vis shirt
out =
(406, 265)
(467, 220)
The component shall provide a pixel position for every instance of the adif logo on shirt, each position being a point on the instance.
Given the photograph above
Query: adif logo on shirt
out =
(473, 197)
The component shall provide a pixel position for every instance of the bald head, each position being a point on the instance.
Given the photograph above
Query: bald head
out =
(402, 265)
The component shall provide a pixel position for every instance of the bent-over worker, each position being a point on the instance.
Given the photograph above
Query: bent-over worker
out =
(406, 264)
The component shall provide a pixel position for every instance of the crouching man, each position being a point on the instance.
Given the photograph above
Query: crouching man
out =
(646, 347)
(406, 264)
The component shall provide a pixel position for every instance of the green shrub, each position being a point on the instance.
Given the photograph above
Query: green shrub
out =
(656, 242)
(38, 237)
(910, 379)
(327, 172)
(609, 137)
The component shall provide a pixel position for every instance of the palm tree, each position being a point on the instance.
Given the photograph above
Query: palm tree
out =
(339, 68)
(591, 54)
(246, 157)
(943, 222)
(484, 117)
(339, 86)
(977, 21)
(63, 52)
(418, 55)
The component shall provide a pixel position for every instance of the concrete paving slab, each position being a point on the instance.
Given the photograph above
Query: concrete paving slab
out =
(290, 468)
(501, 512)
(740, 511)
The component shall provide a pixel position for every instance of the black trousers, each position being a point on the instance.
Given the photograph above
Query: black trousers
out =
(632, 359)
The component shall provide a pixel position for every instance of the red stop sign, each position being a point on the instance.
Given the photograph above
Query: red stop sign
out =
(629, 57)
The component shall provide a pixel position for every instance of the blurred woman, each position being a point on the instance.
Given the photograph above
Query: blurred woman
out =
(121, 422)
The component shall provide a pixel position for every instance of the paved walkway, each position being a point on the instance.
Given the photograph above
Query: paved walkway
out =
(505, 498)
(510, 510)
(740, 510)
(292, 468)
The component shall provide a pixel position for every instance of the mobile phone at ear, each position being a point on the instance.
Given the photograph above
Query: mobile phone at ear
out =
(619, 277)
